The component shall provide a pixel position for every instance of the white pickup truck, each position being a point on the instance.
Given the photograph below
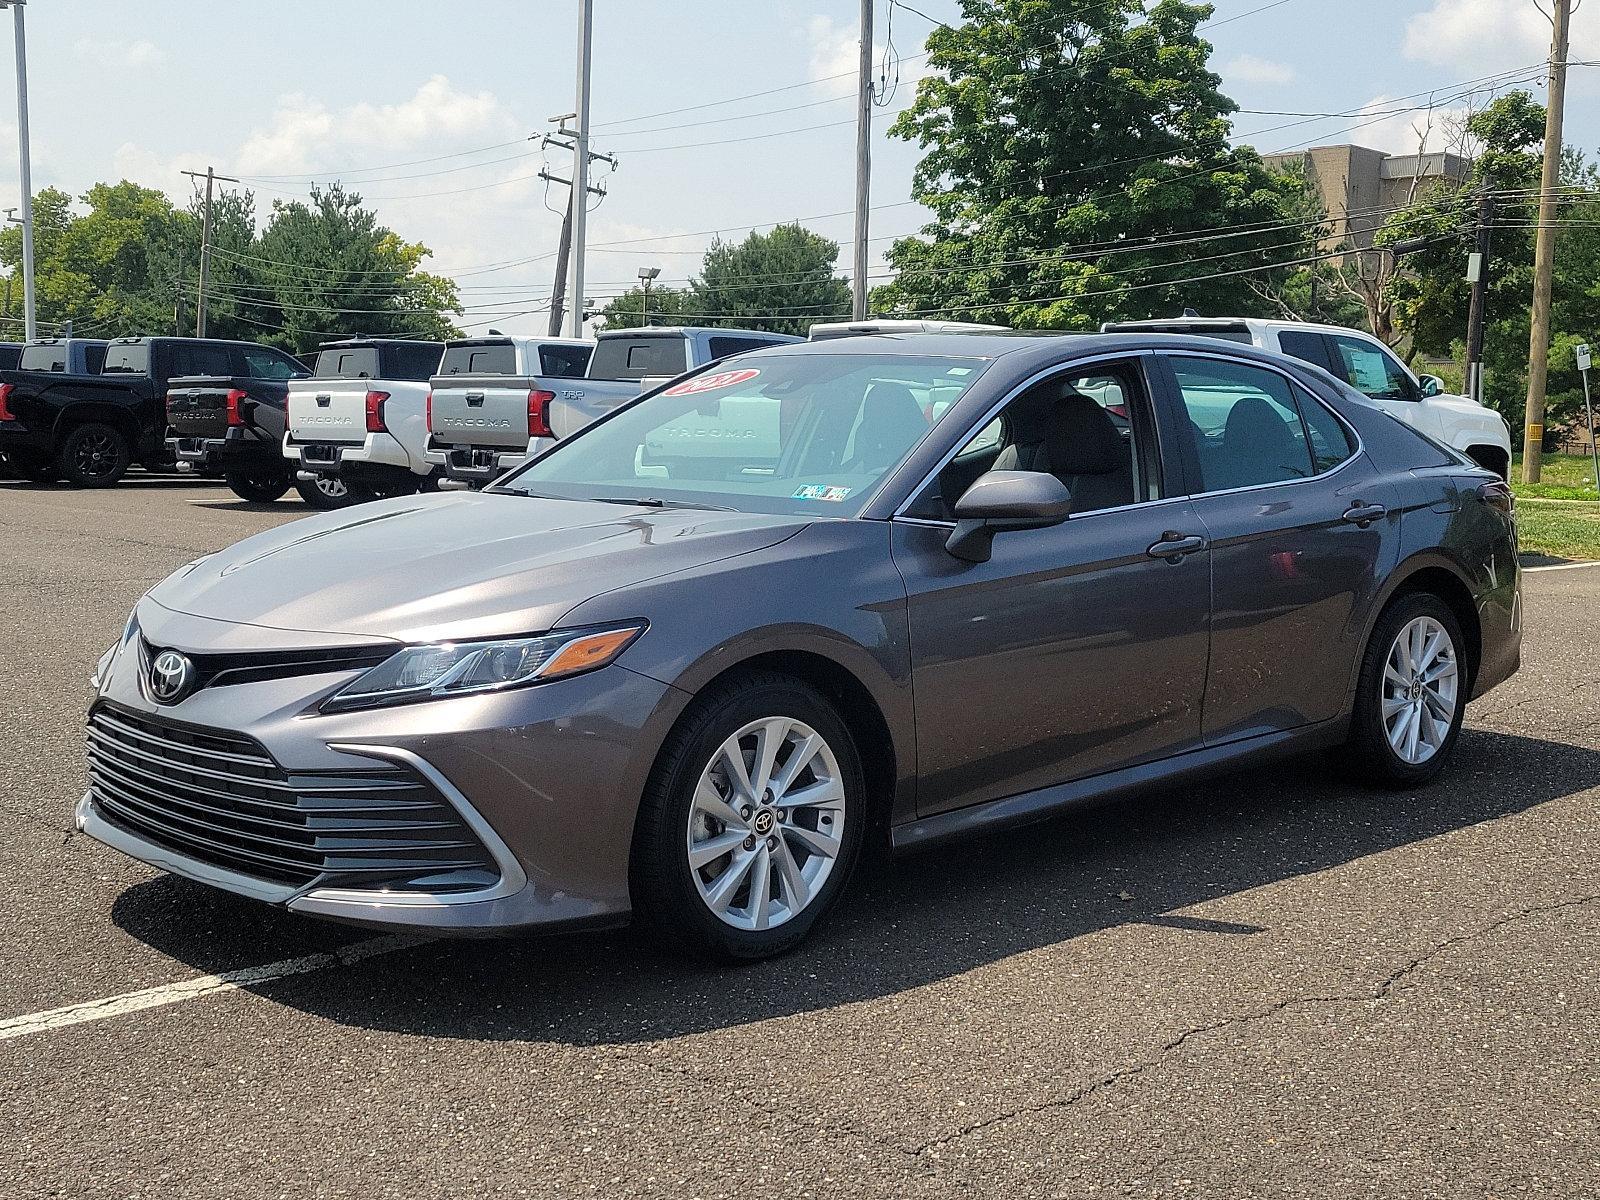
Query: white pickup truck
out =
(355, 430)
(1370, 367)
(495, 401)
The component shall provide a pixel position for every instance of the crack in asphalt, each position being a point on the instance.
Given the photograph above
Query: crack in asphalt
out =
(1381, 992)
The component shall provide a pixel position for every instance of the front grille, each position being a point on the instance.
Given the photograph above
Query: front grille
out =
(221, 798)
(220, 670)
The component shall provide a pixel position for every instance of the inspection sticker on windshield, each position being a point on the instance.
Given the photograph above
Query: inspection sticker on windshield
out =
(816, 491)
(711, 383)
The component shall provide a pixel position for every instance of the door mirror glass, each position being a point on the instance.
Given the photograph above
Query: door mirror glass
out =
(1000, 501)
(1432, 385)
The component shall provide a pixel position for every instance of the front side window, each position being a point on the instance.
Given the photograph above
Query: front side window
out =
(1252, 426)
(264, 364)
(1372, 370)
(812, 433)
(1085, 428)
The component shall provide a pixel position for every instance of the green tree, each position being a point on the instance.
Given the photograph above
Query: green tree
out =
(782, 281)
(667, 306)
(1069, 147)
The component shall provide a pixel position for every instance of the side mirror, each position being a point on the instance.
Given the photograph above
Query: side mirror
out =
(1001, 501)
(1432, 385)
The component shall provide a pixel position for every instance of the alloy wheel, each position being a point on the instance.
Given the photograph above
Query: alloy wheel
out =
(1420, 681)
(95, 455)
(332, 487)
(767, 822)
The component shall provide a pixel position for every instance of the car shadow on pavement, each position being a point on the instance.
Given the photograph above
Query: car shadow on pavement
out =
(901, 924)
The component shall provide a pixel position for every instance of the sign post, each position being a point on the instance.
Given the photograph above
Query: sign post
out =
(1584, 361)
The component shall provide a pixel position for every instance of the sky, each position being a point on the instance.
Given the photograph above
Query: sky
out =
(392, 95)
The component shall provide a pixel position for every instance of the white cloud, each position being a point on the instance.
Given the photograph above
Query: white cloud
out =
(1400, 132)
(835, 47)
(1247, 68)
(141, 53)
(1493, 33)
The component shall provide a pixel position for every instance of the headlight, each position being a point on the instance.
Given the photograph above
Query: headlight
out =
(461, 668)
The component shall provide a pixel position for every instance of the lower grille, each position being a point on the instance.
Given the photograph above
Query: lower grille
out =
(221, 798)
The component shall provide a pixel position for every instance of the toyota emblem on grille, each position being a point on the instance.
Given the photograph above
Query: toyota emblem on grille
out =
(171, 677)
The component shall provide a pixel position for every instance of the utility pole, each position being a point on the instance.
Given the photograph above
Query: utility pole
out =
(580, 165)
(563, 139)
(24, 167)
(1544, 253)
(1478, 276)
(558, 291)
(858, 279)
(205, 247)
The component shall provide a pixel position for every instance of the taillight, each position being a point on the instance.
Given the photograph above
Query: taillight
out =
(375, 412)
(428, 417)
(1498, 495)
(5, 402)
(539, 414)
(236, 399)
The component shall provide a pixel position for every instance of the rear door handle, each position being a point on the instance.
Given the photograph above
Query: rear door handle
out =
(1365, 514)
(1175, 545)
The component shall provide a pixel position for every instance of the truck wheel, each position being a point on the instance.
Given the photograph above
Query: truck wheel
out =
(328, 492)
(259, 485)
(94, 455)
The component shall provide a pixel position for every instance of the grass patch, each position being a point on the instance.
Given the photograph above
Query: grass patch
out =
(1560, 530)
(1561, 477)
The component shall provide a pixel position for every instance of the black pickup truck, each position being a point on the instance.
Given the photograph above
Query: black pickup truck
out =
(88, 429)
(233, 426)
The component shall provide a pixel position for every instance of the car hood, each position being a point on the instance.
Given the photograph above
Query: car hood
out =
(454, 566)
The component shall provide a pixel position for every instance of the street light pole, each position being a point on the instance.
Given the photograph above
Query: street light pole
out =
(24, 170)
(646, 276)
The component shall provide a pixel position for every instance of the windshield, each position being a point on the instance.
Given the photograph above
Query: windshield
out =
(802, 433)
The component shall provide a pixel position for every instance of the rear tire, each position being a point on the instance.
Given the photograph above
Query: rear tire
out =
(93, 456)
(1411, 696)
(710, 834)
(328, 492)
(258, 485)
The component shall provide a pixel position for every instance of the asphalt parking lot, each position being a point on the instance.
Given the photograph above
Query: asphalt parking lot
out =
(1269, 985)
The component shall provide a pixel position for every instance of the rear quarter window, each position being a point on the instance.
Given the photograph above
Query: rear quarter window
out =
(564, 362)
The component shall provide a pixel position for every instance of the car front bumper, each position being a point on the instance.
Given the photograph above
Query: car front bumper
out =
(548, 778)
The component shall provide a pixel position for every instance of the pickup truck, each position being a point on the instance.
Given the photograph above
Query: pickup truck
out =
(232, 425)
(64, 356)
(482, 423)
(357, 426)
(1366, 364)
(88, 429)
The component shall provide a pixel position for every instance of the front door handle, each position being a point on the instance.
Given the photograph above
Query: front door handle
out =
(1362, 515)
(1174, 545)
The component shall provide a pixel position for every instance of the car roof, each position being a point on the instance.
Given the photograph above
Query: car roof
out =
(1025, 347)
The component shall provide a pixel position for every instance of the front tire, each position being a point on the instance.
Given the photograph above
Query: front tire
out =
(752, 820)
(93, 456)
(258, 485)
(1411, 697)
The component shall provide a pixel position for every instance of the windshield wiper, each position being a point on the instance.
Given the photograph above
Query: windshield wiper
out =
(654, 502)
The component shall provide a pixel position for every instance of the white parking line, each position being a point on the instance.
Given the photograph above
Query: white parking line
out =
(1573, 566)
(205, 985)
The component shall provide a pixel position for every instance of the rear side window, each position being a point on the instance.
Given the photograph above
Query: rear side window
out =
(721, 347)
(1251, 426)
(191, 359)
(127, 360)
(265, 364)
(94, 358)
(417, 362)
(479, 358)
(44, 358)
(637, 357)
(348, 362)
(1307, 347)
(564, 362)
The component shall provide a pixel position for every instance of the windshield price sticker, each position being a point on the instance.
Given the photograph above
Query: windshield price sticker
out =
(816, 491)
(711, 383)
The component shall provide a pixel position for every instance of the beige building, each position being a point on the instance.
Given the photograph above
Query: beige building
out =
(1361, 188)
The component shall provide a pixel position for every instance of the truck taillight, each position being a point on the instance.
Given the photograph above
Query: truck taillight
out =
(539, 414)
(375, 412)
(428, 412)
(5, 402)
(236, 399)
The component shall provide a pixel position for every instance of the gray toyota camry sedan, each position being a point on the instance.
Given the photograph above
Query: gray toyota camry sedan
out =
(683, 666)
